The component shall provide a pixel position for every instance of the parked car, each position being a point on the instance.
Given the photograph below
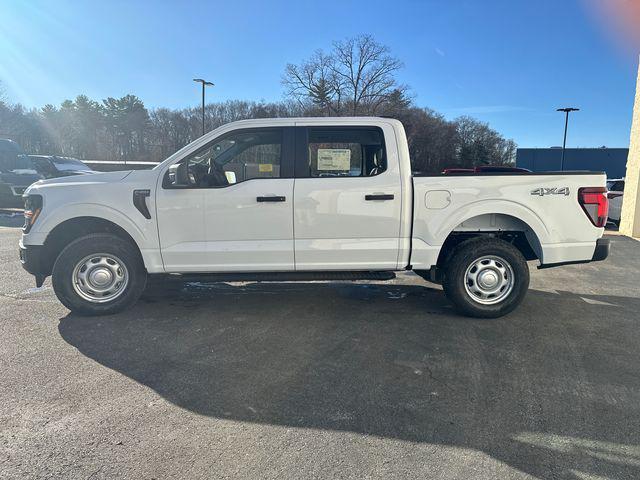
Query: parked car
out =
(16, 174)
(616, 190)
(52, 166)
(304, 199)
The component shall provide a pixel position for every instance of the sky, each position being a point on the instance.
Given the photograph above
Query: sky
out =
(509, 63)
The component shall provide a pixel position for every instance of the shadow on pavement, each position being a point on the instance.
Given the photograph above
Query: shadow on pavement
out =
(552, 389)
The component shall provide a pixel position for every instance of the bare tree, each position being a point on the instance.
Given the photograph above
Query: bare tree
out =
(357, 77)
(315, 81)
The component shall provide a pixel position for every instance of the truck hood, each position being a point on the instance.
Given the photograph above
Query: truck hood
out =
(96, 178)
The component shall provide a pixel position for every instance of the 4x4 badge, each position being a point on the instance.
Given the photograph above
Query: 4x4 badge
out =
(542, 191)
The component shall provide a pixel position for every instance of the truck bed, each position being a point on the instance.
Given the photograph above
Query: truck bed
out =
(544, 206)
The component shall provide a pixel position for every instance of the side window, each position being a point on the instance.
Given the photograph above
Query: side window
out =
(346, 152)
(233, 158)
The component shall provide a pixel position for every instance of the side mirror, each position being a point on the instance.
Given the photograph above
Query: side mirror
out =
(182, 175)
(176, 176)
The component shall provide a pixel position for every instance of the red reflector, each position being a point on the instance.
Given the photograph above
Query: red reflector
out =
(595, 203)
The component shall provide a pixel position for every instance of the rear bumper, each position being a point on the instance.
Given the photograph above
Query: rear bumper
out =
(603, 247)
(601, 252)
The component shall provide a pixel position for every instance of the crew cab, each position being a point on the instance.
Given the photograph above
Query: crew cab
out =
(306, 199)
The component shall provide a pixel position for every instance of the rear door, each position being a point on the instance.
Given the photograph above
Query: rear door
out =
(347, 198)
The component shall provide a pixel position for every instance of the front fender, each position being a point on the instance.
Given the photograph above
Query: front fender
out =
(61, 214)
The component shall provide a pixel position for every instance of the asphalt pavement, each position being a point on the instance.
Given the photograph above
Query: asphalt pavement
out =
(324, 380)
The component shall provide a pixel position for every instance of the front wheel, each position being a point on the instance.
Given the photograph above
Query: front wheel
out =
(486, 277)
(98, 274)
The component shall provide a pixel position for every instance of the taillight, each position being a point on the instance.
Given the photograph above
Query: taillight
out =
(32, 208)
(595, 203)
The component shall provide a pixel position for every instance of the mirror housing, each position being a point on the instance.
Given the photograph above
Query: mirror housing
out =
(182, 175)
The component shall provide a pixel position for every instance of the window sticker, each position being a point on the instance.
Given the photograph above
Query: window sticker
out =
(265, 167)
(334, 159)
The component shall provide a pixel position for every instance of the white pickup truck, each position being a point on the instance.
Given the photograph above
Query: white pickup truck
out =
(308, 199)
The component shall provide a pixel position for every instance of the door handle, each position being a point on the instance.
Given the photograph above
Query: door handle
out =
(271, 199)
(379, 196)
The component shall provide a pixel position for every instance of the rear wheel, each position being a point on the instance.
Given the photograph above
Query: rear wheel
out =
(99, 274)
(486, 277)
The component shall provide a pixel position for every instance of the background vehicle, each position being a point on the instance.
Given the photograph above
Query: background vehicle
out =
(308, 198)
(616, 190)
(52, 166)
(16, 173)
(486, 169)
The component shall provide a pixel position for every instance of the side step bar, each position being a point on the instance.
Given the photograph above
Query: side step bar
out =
(279, 276)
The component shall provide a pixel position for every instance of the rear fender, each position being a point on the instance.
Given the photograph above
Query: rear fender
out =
(499, 207)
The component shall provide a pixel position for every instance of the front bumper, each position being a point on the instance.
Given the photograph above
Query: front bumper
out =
(33, 261)
(11, 196)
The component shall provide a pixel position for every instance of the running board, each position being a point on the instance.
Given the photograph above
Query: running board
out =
(282, 276)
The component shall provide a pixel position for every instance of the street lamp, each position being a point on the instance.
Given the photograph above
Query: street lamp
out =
(204, 84)
(566, 110)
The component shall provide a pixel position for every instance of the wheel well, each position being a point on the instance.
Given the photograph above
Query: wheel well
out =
(517, 239)
(504, 227)
(74, 228)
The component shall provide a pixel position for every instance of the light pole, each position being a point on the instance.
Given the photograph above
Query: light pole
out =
(566, 110)
(204, 84)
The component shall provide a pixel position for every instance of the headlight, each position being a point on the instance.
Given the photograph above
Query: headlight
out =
(32, 208)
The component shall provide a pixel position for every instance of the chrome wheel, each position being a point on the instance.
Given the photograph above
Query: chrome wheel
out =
(100, 278)
(489, 280)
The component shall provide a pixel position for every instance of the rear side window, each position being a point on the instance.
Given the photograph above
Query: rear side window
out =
(346, 152)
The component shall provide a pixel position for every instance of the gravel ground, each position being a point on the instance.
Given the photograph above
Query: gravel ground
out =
(324, 380)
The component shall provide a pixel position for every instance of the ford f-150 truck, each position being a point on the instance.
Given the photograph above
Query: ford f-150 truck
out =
(307, 199)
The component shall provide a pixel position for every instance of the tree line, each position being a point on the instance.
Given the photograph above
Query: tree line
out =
(356, 77)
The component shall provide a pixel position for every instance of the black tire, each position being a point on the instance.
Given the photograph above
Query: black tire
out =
(460, 289)
(64, 274)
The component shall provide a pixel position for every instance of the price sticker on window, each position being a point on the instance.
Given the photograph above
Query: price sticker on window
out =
(334, 159)
(265, 167)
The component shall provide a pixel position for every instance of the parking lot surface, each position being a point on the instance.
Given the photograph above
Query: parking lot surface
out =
(324, 380)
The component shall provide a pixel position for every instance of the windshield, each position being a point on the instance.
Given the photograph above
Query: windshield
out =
(615, 185)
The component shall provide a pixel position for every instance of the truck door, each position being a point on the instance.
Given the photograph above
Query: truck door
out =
(348, 199)
(229, 206)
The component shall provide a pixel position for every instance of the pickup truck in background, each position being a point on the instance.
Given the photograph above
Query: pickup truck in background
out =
(307, 199)
(17, 172)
